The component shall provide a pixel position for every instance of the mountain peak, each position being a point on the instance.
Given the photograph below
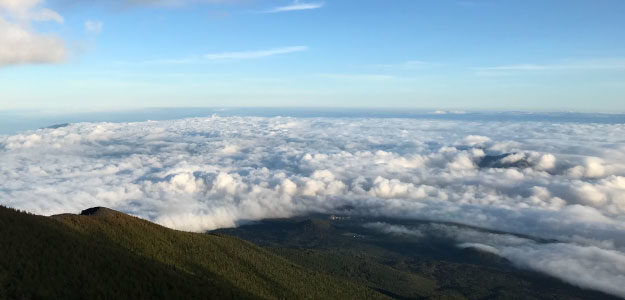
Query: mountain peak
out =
(97, 211)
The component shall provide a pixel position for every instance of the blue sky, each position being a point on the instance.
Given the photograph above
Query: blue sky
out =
(452, 54)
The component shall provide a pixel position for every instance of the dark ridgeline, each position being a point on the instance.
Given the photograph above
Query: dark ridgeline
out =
(96, 211)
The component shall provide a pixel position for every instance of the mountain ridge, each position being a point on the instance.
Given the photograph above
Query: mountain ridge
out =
(103, 254)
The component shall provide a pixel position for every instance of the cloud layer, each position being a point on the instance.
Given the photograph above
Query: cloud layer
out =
(564, 181)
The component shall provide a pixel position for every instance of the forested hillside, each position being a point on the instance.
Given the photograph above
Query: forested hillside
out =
(104, 254)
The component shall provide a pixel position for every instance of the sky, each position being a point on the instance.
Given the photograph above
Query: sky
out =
(160, 157)
(450, 54)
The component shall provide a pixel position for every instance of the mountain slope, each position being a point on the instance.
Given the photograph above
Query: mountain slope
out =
(403, 267)
(106, 254)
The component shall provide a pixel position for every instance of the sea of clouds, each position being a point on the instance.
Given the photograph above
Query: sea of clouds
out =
(564, 181)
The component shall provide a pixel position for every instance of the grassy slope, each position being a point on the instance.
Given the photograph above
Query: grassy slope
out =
(112, 255)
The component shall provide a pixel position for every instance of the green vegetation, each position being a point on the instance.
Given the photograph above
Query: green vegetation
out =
(401, 267)
(110, 255)
(363, 270)
(104, 254)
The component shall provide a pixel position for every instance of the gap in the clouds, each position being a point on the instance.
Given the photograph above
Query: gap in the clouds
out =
(15, 121)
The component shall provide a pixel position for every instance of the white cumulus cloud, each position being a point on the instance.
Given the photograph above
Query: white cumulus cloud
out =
(19, 43)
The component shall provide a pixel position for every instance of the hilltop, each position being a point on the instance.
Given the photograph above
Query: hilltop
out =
(105, 254)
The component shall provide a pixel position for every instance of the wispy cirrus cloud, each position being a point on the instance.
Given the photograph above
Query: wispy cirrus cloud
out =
(590, 65)
(295, 6)
(406, 65)
(253, 54)
(229, 56)
(94, 27)
(356, 77)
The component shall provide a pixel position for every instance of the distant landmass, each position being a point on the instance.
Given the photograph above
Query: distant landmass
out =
(106, 254)
(57, 126)
(13, 122)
